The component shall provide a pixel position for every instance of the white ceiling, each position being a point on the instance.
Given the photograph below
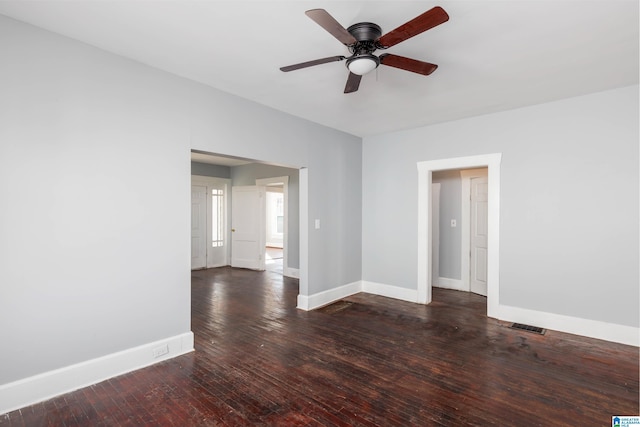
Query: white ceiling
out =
(492, 55)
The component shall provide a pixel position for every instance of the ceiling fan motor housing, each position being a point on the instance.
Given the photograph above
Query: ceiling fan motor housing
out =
(366, 35)
(365, 31)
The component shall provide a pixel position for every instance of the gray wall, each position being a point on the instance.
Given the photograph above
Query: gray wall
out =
(216, 171)
(97, 260)
(569, 202)
(103, 246)
(450, 208)
(247, 175)
(343, 165)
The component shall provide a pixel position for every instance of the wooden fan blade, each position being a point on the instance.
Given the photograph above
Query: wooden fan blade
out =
(417, 25)
(311, 63)
(407, 64)
(353, 83)
(328, 22)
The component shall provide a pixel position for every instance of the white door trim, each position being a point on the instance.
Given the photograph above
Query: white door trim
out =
(210, 181)
(425, 233)
(435, 273)
(284, 180)
(303, 286)
(465, 219)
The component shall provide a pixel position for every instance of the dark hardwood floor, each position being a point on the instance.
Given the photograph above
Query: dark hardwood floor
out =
(370, 361)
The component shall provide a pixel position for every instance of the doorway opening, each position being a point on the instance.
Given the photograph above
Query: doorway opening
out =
(275, 238)
(459, 230)
(425, 223)
(276, 251)
(288, 241)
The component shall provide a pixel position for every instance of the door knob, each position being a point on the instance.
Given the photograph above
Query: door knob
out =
(233, 230)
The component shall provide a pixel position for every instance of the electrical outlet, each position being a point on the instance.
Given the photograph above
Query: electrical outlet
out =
(160, 351)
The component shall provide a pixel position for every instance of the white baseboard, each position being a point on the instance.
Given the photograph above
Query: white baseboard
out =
(390, 291)
(314, 301)
(38, 388)
(573, 325)
(320, 299)
(589, 328)
(292, 272)
(446, 283)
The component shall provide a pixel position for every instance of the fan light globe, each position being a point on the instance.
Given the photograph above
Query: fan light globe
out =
(362, 65)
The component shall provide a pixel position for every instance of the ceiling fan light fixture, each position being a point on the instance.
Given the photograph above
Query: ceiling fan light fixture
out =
(363, 64)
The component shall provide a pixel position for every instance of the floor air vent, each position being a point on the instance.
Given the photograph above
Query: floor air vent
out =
(528, 328)
(335, 307)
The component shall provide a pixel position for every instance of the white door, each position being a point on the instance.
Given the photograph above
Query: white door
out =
(198, 227)
(217, 245)
(248, 227)
(478, 270)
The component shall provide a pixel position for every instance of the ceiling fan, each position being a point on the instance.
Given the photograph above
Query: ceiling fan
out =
(364, 38)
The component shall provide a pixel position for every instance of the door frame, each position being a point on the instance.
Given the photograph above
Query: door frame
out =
(465, 218)
(435, 219)
(208, 182)
(284, 181)
(425, 215)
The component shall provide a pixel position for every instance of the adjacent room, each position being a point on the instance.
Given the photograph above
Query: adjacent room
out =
(319, 213)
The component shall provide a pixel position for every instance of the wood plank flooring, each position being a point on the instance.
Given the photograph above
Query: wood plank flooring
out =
(372, 361)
